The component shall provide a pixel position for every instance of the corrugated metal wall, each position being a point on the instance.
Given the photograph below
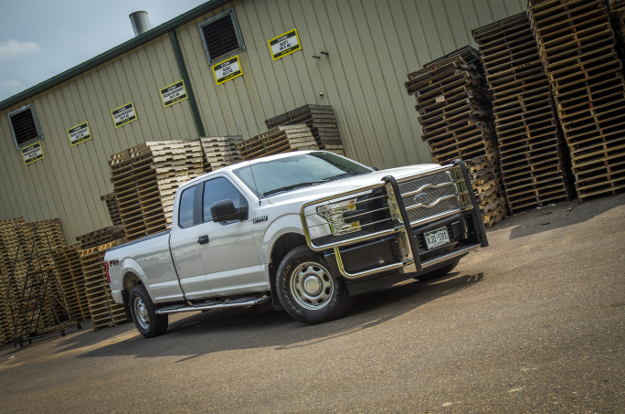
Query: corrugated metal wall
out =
(69, 181)
(372, 45)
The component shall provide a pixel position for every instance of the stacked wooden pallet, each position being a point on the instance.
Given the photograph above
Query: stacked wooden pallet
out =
(113, 208)
(454, 107)
(577, 47)
(486, 184)
(54, 239)
(145, 179)
(71, 278)
(533, 157)
(220, 151)
(10, 234)
(14, 267)
(278, 140)
(105, 313)
(101, 236)
(321, 120)
(617, 9)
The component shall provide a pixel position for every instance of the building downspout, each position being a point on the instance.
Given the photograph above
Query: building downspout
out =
(187, 83)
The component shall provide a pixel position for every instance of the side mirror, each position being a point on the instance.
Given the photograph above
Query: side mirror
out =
(224, 211)
(374, 168)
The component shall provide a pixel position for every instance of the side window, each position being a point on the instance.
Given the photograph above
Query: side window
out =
(185, 212)
(217, 190)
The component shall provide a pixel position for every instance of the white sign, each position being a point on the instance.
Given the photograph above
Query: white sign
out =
(124, 115)
(285, 44)
(79, 133)
(173, 93)
(32, 153)
(227, 70)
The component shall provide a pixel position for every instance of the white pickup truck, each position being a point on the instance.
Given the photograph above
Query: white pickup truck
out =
(304, 230)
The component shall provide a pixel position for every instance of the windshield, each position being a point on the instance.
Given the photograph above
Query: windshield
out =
(288, 173)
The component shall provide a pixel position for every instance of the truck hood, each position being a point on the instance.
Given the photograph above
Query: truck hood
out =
(306, 194)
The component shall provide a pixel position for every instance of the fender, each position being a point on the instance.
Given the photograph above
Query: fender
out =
(126, 266)
(288, 223)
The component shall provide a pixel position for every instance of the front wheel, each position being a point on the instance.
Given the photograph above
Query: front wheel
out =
(308, 290)
(143, 311)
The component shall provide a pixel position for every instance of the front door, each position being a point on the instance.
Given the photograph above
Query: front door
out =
(229, 254)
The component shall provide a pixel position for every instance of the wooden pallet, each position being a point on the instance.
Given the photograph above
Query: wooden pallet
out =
(580, 52)
(529, 138)
(321, 120)
(220, 152)
(145, 178)
(105, 313)
(278, 140)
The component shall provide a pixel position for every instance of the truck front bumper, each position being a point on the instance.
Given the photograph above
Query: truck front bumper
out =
(398, 245)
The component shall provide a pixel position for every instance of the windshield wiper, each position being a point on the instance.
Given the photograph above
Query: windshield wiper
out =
(344, 175)
(298, 185)
(294, 186)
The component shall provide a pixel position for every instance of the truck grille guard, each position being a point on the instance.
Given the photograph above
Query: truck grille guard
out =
(453, 195)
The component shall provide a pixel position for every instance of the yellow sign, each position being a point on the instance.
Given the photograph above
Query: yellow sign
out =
(32, 153)
(124, 114)
(173, 93)
(285, 44)
(227, 70)
(79, 133)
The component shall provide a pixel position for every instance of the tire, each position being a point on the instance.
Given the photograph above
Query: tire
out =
(144, 315)
(308, 290)
(438, 273)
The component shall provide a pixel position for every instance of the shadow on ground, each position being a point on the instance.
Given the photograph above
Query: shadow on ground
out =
(245, 328)
(536, 221)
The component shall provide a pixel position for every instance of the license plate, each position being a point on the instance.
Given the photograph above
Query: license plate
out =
(436, 238)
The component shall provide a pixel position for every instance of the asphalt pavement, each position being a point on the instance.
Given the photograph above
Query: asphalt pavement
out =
(533, 324)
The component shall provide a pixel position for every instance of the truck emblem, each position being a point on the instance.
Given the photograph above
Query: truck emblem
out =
(259, 219)
(114, 263)
(420, 198)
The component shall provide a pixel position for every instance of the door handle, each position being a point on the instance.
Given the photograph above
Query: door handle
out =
(202, 240)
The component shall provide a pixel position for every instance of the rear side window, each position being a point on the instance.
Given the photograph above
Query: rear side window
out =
(217, 190)
(185, 212)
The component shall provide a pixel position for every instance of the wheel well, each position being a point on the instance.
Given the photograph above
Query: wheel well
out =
(284, 245)
(130, 280)
(281, 248)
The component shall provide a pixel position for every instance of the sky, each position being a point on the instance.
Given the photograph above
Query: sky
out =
(42, 38)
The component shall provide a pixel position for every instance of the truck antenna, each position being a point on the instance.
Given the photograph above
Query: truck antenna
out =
(254, 178)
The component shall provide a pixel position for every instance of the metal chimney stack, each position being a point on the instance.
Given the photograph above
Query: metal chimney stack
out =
(140, 22)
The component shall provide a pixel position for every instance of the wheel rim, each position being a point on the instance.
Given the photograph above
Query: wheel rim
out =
(141, 313)
(312, 286)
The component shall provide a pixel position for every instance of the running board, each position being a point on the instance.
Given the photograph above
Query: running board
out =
(235, 303)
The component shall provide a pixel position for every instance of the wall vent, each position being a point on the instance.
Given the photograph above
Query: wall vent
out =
(25, 126)
(221, 36)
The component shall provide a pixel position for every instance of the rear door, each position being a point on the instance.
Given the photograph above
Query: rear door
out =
(185, 246)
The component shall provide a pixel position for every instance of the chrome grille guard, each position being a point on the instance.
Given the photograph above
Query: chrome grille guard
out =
(401, 225)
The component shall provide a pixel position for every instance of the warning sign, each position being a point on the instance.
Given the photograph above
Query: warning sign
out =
(124, 115)
(285, 44)
(173, 93)
(32, 153)
(79, 133)
(227, 70)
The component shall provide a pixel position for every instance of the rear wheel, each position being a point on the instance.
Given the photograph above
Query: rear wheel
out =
(144, 315)
(308, 290)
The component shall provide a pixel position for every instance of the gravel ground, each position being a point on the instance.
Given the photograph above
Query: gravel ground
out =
(533, 324)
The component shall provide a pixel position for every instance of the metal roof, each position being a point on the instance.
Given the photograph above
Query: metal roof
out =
(113, 53)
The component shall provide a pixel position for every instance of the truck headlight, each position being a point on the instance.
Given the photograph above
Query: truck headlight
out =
(335, 216)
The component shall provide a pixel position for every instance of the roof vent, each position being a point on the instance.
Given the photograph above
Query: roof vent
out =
(140, 22)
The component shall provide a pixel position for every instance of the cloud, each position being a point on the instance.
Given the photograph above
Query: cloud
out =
(14, 49)
(11, 87)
